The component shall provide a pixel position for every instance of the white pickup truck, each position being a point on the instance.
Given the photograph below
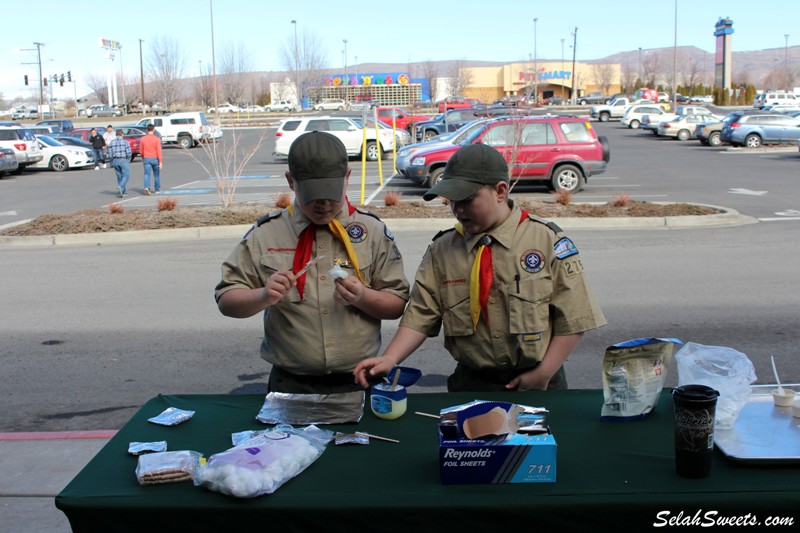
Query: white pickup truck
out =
(652, 125)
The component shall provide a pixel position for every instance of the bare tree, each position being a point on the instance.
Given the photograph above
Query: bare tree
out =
(459, 78)
(235, 63)
(307, 62)
(691, 74)
(99, 87)
(603, 74)
(651, 69)
(430, 72)
(204, 87)
(628, 79)
(225, 163)
(167, 65)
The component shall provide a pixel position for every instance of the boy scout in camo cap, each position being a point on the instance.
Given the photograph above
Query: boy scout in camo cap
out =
(316, 328)
(508, 288)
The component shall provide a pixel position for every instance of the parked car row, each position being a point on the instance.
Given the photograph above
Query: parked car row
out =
(750, 128)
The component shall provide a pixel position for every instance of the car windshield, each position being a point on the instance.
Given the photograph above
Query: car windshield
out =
(467, 132)
(49, 140)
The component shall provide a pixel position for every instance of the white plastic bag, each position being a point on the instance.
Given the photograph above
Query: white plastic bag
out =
(262, 464)
(725, 369)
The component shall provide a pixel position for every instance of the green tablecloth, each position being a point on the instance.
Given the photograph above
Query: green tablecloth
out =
(608, 473)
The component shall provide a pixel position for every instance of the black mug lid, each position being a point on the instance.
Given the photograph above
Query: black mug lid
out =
(696, 393)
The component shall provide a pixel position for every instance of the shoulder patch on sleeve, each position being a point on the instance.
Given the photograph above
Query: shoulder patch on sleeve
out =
(367, 212)
(267, 218)
(555, 228)
(442, 233)
(565, 248)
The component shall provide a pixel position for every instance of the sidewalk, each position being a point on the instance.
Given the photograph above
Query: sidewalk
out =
(34, 468)
(729, 217)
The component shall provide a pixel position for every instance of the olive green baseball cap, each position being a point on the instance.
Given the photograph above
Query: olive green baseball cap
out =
(469, 169)
(318, 165)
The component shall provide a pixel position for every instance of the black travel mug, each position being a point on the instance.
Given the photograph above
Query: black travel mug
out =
(695, 406)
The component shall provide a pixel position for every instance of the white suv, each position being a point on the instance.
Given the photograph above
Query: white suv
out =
(186, 130)
(332, 104)
(347, 130)
(281, 105)
(24, 144)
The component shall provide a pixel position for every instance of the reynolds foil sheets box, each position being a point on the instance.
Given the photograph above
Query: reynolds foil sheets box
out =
(483, 442)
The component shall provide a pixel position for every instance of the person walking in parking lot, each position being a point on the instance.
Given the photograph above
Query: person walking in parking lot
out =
(99, 149)
(150, 148)
(119, 152)
(108, 136)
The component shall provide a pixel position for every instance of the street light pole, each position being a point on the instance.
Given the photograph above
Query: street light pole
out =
(786, 60)
(535, 66)
(574, 53)
(214, 64)
(141, 76)
(675, 63)
(639, 76)
(345, 60)
(562, 68)
(296, 67)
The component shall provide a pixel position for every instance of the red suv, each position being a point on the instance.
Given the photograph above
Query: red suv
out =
(403, 120)
(133, 137)
(560, 151)
(457, 102)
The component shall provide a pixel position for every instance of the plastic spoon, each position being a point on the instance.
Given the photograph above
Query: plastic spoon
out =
(778, 381)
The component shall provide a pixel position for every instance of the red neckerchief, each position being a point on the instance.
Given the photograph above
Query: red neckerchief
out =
(305, 245)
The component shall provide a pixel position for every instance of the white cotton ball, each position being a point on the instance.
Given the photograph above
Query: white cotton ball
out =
(337, 272)
(226, 470)
(292, 469)
(252, 486)
(267, 483)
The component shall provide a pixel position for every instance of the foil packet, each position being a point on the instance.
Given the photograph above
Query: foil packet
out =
(308, 409)
(171, 416)
(140, 448)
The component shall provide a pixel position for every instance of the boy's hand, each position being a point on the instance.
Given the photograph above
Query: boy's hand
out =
(532, 380)
(278, 284)
(349, 291)
(367, 370)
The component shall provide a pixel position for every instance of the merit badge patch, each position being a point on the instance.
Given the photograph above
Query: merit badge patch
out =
(357, 232)
(564, 248)
(388, 233)
(532, 261)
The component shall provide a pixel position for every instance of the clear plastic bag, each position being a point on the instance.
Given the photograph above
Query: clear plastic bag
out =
(262, 464)
(722, 368)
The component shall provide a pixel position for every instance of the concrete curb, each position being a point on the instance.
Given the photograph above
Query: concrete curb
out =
(728, 217)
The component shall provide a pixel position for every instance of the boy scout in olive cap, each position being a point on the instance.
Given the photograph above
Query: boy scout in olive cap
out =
(316, 328)
(508, 288)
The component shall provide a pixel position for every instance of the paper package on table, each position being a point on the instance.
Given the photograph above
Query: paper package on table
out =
(482, 442)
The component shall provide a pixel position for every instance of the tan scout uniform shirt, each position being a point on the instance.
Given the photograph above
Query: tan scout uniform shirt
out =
(316, 336)
(549, 297)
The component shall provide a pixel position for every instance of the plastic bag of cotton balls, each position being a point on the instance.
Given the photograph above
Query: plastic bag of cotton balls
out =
(262, 464)
(337, 272)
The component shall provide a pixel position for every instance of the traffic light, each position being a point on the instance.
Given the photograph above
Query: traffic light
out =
(26, 79)
(45, 81)
(61, 80)
(69, 75)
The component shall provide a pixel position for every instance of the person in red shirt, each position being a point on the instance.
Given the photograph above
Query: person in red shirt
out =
(150, 148)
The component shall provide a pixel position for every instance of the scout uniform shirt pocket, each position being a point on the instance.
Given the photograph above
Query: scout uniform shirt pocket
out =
(456, 318)
(529, 306)
(272, 262)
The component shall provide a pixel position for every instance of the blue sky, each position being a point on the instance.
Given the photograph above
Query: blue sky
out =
(414, 31)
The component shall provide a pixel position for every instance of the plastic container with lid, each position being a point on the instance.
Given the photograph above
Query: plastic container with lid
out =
(388, 403)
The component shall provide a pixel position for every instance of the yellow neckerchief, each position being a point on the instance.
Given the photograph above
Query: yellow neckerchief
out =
(340, 232)
(474, 282)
